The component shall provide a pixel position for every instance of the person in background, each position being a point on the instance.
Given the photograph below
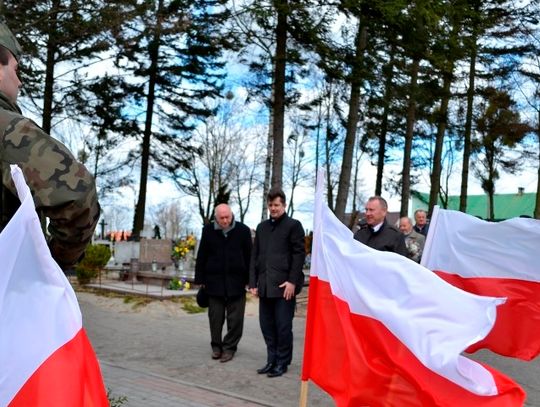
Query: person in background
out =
(222, 267)
(63, 189)
(414, 241)
(376, 232)
(421, 226)
(276, 277)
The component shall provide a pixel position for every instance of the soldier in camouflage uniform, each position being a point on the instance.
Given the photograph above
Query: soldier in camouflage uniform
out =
(63, 189)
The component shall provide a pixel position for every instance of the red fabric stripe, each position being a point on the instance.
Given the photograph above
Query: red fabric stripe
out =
(517, 330)
(359, 362)
(69, 377)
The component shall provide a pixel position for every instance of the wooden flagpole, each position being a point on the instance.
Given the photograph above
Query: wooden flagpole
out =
(303, 393)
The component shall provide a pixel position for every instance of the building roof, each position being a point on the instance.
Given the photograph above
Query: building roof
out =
(506, 205)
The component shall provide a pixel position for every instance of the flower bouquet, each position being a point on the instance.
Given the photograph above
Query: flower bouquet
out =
(184, 246)
(179, 284)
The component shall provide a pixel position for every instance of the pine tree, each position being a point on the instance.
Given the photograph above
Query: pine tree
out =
(491, 36)
(278, 33)
(500, 128)
(172, 49)
(61, 39)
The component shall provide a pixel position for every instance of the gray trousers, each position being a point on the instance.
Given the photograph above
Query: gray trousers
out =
(231, 309)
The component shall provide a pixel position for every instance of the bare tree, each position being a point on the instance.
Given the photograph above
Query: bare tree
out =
(247, 174)
(220, 163)
(173, 220)
(296, 164)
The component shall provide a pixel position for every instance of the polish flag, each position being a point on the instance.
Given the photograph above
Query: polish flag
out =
(494, 259)
(382, 330)
(45, 356)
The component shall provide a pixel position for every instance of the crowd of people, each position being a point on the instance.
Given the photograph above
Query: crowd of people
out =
(271, 267)
(405, 239)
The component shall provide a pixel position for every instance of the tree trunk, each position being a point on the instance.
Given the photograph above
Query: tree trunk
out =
(48, 90)
(278, 102)
(317, 140)
(490, 158)
(537, 206)
(358, 156)
(409, 132)
(352, 123)
(267, 169)
(329, 189)
(468, 128)
(153, 52)
(384, 124)
(491, 203)
(439, 140)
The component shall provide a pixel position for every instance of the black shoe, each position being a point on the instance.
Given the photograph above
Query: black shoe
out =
(226, 356)
(277, 371)
(266, 368)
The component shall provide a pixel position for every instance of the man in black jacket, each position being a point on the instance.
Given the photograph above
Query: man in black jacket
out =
(376, 232)
(222, 266)
(276, 276)
(421, 226)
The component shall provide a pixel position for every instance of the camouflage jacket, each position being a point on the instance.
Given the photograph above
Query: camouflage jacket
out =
(63, 189)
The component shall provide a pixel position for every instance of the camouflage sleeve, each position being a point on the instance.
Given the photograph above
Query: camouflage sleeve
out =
(63, 189)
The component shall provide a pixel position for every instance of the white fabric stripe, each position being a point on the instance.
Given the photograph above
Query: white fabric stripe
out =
(38, 309)
(435, 320)
(462, 244)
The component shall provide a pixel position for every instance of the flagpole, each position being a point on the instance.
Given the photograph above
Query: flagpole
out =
(426, 253)
(303, 393)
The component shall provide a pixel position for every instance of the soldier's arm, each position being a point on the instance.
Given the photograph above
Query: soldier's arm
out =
(62, 188)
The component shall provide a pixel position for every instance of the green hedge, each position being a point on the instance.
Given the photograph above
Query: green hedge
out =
(95, 258)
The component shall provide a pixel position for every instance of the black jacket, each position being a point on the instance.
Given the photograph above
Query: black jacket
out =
(278, 256)
(387, 238)
(423, 231)
(223, 261)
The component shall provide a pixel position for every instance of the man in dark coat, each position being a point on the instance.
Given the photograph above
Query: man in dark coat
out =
(222, 267)
(276, 277)
(414, 241)
(376, 232)
(421, 226)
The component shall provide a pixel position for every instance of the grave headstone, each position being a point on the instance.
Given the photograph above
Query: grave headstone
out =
(124, 251)
(158, 250)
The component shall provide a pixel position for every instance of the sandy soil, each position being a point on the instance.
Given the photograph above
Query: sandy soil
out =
(153, 307)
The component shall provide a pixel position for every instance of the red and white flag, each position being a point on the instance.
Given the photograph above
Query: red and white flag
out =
(46, 358)
(500, 259)
(382, 330)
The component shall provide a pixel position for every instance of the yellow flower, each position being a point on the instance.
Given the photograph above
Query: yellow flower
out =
(184, 246)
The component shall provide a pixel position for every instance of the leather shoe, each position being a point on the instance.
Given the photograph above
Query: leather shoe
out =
(277, 371)
(266, 368)
(216, 354)
(226, 356)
